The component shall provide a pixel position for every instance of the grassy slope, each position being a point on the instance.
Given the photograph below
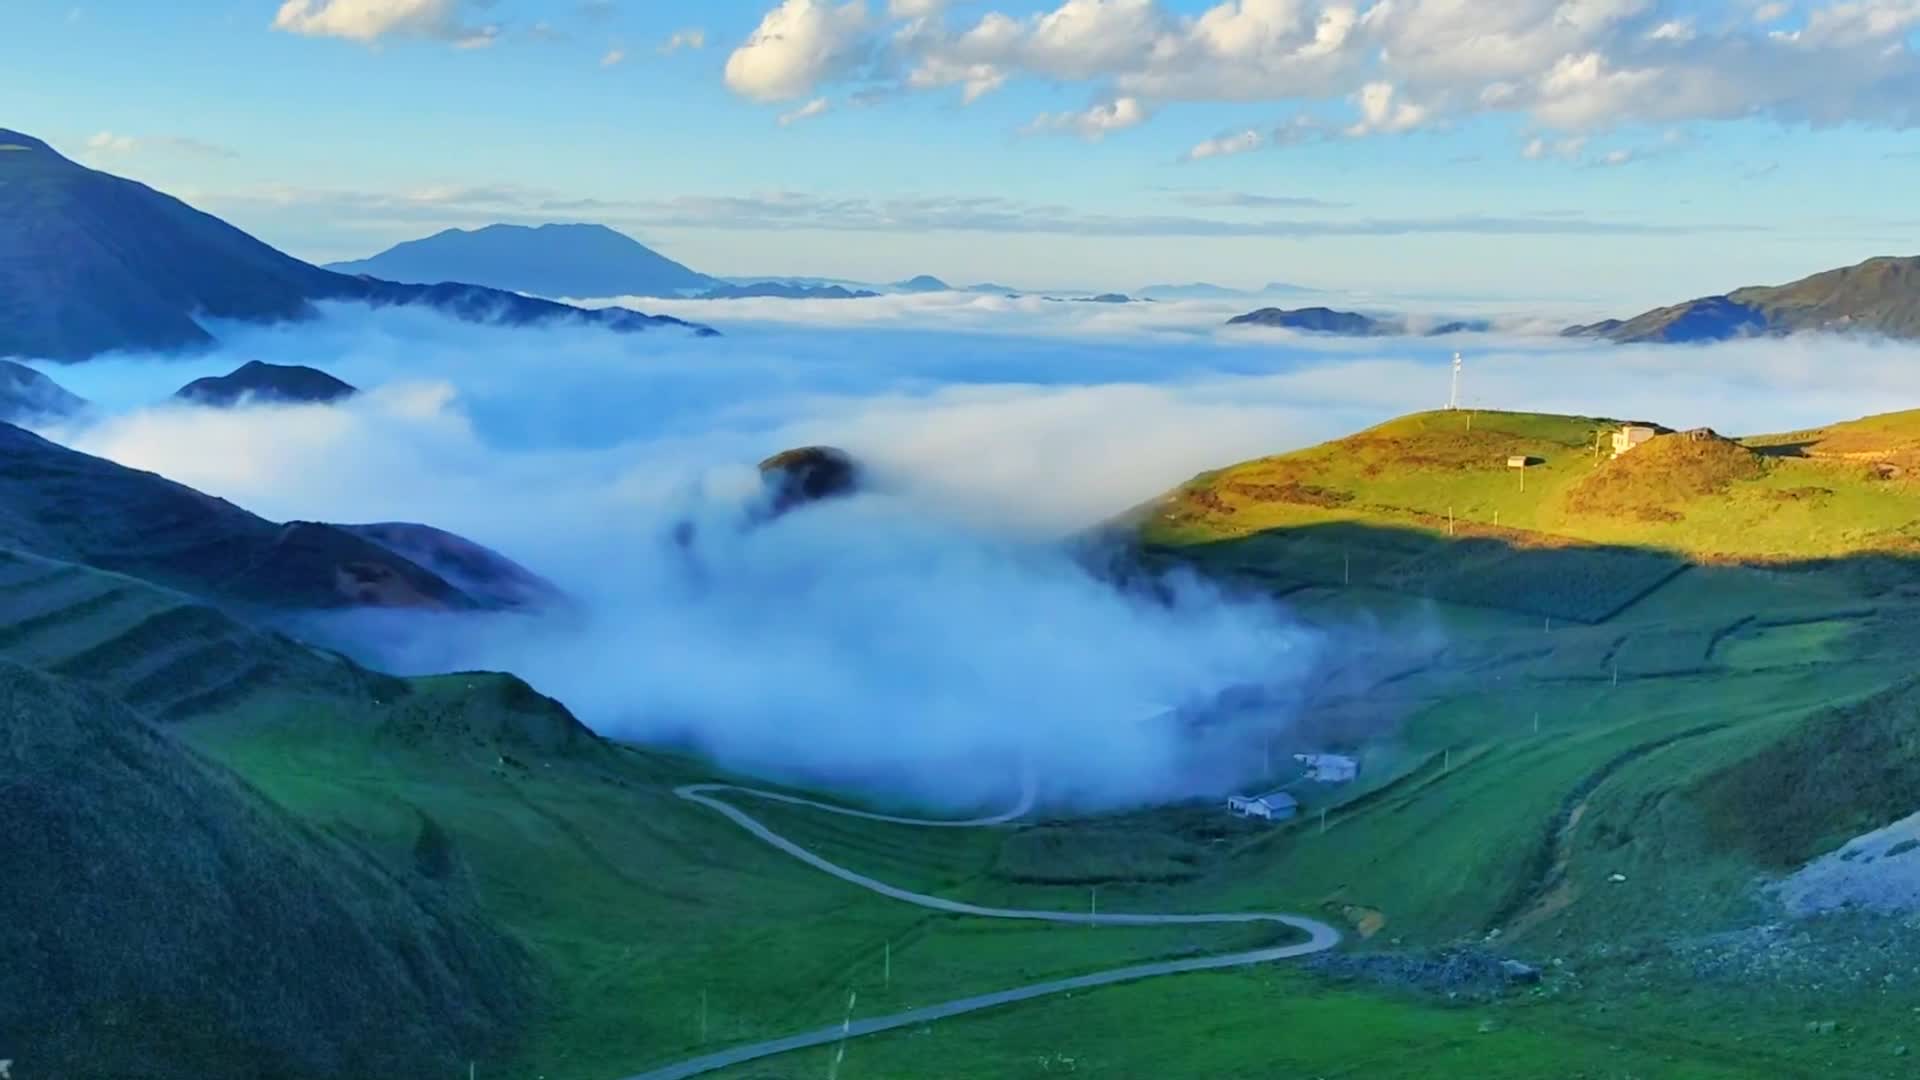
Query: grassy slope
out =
(644, 912)
(163, 920)
(1417, 472)
(1654, 759)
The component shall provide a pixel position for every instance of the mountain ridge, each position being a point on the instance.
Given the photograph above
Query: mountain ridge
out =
(92, 263)
(1880, 295)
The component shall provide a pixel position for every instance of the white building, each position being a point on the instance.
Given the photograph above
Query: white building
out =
(1273, 806)
(1329, 768)
(1630, 436)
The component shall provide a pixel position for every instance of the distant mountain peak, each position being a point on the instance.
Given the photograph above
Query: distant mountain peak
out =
(923, 283)
(93, 263)
(573, 259)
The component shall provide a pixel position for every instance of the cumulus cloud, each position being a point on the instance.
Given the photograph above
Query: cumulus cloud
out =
(797, 46)
(1094, 123)
(613, 58)
(1571, 65)
(1226, 145)
(371, 20)
(932, 638)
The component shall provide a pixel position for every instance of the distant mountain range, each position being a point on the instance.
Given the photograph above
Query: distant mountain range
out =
(544, 260)
(1879, 296)
(781, 290)
(1321, 320)
(1202, 290)
(92, 263)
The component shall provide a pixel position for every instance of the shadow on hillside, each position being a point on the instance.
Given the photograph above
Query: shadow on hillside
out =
(1784, 450)
(1486, 567)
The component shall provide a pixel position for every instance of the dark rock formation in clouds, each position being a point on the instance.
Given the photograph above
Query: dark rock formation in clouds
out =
(793, 478)
(257, 381)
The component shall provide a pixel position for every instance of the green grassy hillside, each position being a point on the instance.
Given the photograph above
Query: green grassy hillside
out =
(1446, 475)
(1595, 717)
(162, 919)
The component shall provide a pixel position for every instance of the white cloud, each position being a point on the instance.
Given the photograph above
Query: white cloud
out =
(613, 58)
(691, 38)
(930, 633)
(1227, 145)
(1382, 113)
(108, 142)
(1095, 122)
(370, 20)
(805, 112)
(797, 46)
(1771, 12)
(1570, 65)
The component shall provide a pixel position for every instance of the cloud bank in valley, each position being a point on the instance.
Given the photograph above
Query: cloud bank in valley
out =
(931, 638)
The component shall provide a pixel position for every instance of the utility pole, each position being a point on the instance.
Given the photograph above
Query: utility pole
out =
(846, 1032)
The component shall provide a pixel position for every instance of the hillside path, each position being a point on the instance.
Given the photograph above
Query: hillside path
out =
(1320, 938)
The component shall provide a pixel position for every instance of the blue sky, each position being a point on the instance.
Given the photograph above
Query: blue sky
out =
(1592, 150)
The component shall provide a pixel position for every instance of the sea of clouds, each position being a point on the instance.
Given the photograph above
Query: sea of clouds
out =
(934, 639)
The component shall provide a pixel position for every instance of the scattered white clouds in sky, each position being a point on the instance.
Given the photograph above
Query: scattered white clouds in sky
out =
(1095, 122)
(1573, 66)
(613, 58)
(690, 38)
(370, 20)
(1227, 145)
(120, 144)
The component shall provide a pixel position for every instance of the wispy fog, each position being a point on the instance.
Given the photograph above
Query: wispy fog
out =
(932, 638)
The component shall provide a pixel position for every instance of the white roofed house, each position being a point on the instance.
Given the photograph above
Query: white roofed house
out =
(1273, 806)
(1630, 436)
(1329, 768)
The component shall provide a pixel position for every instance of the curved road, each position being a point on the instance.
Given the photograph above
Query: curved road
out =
(1320, 937)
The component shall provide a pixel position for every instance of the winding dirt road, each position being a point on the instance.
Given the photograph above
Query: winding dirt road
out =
(1320, 937)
